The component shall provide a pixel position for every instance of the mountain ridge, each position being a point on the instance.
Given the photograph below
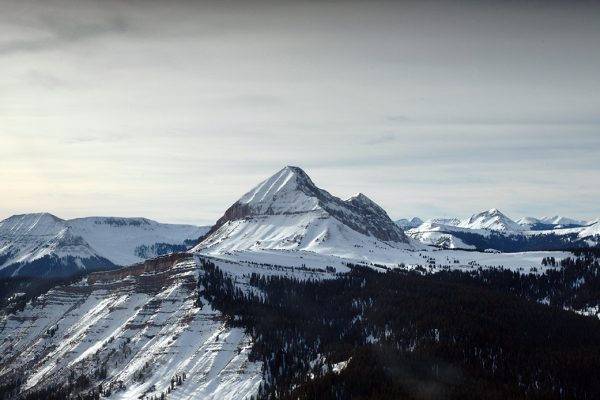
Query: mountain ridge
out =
(42, 244)
(291, 191)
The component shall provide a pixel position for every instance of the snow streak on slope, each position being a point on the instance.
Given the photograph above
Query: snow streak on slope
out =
(286, 192)
(142, 325)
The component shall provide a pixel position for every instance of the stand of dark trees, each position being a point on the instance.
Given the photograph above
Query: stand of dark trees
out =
(159, 249)
(408, 336)
(52, 266)
(15, 292)
(573, 284)
(74, 388)
(516, 243)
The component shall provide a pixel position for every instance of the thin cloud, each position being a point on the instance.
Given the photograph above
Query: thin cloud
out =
(47, 80)
(383, 138)
(430, 108)
(61, 31)
(90, 139)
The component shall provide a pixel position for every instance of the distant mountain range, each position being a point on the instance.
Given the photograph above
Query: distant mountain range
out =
(492, 229)
(42, 244)
(285, 213)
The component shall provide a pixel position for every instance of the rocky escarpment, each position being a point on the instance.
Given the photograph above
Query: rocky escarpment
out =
(236, 211)
(126, 334)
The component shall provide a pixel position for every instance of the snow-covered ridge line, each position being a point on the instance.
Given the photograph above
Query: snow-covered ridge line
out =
(493, 220)
(493, 226)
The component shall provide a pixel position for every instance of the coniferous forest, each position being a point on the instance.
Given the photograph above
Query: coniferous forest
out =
(407, 335)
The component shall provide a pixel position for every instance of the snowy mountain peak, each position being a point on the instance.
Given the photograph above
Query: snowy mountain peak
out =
(492, 219)
(359, 197)
(494, 212)
(288, 191)
(283, 181)
(362, 201)
(288, 211)
(41, 223)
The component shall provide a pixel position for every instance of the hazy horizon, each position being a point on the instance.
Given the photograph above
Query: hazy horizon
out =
(174, 111)
(206, 222)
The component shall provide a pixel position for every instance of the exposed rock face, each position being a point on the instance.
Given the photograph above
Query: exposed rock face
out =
(236, 211)
(372, 220)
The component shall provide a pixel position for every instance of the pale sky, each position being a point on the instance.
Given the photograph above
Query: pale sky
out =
(173, 110)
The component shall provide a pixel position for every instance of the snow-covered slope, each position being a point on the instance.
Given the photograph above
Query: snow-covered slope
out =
(130, 331)
(288, 212)
(129, 240)
(547, 223)
(42, 244)
(441, 235)
(591, 230)
(528, 222)
(492, 220)
(563, 221)
(494, 230)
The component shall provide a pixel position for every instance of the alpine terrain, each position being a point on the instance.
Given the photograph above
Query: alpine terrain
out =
(44, 245)
(493, 230)
(289, 212)
(295, 294)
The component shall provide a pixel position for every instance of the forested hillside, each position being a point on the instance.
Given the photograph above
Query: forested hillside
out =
(394, 335)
